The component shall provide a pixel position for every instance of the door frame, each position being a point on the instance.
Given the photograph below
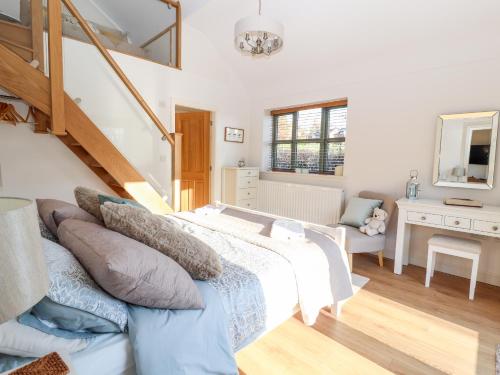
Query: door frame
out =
(176, 191)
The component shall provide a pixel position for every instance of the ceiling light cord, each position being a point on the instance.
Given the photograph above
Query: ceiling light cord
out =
(260, 7)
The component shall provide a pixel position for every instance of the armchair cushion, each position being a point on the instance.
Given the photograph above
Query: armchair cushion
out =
(357, 242)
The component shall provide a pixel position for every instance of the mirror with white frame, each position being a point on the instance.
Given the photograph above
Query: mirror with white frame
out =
(465, 150)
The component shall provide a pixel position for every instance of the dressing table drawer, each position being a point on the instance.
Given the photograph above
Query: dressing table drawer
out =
(422, 217)
(457, 222)
(487, 226)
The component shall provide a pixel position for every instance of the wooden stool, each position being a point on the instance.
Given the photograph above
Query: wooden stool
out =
(458, 247)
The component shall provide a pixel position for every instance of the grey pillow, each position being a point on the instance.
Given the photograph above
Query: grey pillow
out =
(195, 256)
(88, 199)
(53, 212)
(130, 270)
(70, 285)
(358, 210)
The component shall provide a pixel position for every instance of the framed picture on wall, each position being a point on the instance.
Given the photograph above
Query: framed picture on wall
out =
(234, 135)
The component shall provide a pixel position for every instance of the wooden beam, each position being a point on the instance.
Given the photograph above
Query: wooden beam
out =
(104, 52)
(333, 103)
(42, 121)
(37, 32)
(22, 80)
(56, 67)
(176, 171)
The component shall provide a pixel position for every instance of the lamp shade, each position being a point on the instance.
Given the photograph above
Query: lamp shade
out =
(23, 271)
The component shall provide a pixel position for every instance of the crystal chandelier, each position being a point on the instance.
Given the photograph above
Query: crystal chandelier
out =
(258, 35)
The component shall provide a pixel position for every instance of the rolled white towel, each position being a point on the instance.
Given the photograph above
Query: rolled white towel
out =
(210, 209)
(287, 230)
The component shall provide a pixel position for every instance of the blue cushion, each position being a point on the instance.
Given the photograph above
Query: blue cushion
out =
(129, 202)
(32, 321)
(358, 210)
(71, 319)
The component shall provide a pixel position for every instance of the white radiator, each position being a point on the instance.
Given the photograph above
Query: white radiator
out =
(315, 204)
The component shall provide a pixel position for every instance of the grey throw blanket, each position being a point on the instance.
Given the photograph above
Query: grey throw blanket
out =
(320, 265)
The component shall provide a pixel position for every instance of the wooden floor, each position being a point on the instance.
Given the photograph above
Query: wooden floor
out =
(393, 325)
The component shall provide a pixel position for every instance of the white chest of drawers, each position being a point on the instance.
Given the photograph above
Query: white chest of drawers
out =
(239, 186)
(433, 213)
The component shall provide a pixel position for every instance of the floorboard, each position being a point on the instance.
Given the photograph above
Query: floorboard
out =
(393, 325)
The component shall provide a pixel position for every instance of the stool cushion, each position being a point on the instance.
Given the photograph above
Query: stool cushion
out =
(461, 244)
(357, 242)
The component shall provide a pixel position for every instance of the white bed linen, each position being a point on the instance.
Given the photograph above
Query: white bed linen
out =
(109, 354)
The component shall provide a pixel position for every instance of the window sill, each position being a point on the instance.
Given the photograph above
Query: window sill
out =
(329, 177)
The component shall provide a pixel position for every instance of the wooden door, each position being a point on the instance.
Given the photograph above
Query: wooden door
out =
(195, 179)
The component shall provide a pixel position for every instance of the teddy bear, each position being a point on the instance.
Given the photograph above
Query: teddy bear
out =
(375, 224)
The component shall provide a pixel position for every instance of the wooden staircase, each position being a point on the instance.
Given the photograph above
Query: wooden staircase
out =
(83, 137)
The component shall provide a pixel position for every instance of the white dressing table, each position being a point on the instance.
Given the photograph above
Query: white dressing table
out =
(434, 213)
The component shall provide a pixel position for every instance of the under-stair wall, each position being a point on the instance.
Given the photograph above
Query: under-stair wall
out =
(40, 166)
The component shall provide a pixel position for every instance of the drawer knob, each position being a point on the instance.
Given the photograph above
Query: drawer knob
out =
(495, 228)
(423, 218)
(457, 222)
(248, 193)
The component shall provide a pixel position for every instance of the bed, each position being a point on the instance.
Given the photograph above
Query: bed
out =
(258, 290)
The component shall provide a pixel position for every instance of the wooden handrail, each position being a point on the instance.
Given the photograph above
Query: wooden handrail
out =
(157, 36)
(104, 52)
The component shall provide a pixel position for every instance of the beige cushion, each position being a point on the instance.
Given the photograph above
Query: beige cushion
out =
(88, 199)
(454, 243)
(357, 242)
(195, 256)
(129, 270)
(53, 212)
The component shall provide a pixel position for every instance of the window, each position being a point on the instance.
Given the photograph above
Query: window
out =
(311, 137)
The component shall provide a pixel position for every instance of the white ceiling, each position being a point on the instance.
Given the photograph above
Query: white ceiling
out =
(324, 35)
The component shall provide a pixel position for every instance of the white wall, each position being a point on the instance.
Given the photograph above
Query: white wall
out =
(205, 82)
(393, 106)
(40, 166)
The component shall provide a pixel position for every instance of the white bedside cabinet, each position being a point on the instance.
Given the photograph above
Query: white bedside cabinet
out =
(239, 186)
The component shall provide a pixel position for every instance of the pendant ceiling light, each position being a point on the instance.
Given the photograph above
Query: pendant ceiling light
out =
(258, 35)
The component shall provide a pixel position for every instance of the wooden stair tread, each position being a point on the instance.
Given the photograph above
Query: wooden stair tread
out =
(14, 25)
(17, 45)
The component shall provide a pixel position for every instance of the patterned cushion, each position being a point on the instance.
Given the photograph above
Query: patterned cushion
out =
(71, 286)
(107, 198)
(195, 256)
(88, 199)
